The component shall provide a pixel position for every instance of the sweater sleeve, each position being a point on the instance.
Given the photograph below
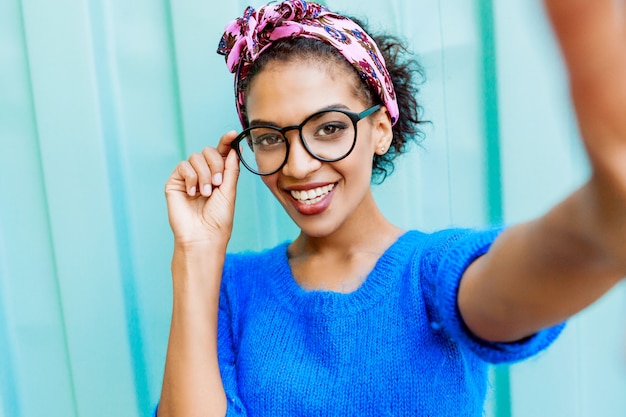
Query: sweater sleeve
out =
(442, 266)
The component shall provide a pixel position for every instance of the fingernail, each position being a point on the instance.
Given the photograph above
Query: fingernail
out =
(217, 179)
(192, 191)
(206, 190)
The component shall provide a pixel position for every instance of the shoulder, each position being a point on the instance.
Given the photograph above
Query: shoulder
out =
(243, 260)
(456, 245)
(246, 269)
(439, 263)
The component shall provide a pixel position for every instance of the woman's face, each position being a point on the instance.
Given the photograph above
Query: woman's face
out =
(320, 197)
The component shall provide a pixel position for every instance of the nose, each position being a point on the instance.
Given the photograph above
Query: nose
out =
(299, 162)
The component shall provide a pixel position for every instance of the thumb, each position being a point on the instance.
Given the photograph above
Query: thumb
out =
(231, 173)
(223, 146)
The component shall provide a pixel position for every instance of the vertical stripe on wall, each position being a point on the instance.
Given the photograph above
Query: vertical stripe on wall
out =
(99, 19)
(37, 377)
(490, 107)
(79, 200)
(500, 374)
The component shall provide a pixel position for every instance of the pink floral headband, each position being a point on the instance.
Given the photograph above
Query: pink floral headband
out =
(247, 37)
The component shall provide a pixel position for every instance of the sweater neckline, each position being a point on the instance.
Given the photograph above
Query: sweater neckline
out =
(377, 284)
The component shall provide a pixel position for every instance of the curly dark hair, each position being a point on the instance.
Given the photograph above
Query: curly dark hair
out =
(406, 73)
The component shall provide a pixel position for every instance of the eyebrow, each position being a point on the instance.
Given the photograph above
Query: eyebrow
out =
(261, 122)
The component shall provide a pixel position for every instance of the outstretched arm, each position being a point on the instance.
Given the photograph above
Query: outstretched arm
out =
(540, 273)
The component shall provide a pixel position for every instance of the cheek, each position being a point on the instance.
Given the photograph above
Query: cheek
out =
(363, 153)
(357, 166)
(269, 181)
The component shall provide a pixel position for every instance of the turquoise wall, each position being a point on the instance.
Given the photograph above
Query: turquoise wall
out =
(100, 99)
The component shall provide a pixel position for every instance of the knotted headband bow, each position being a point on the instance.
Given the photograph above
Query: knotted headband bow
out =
(248, 36)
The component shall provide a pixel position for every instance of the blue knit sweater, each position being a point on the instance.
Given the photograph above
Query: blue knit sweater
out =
(394, 347)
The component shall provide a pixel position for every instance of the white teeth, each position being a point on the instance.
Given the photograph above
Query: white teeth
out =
(312, 196)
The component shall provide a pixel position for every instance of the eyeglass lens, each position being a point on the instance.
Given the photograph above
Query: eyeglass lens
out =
(328, 136)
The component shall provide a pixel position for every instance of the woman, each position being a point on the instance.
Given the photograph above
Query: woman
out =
(356, 316)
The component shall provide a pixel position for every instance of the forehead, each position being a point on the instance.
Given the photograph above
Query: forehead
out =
(287, 92)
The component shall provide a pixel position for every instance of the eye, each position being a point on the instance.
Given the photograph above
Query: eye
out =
(267, 139)
(331, 129)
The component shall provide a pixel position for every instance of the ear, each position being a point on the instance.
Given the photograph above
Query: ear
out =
(383, 133)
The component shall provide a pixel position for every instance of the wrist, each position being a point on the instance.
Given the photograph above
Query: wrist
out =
(197, 269)
(200, 246)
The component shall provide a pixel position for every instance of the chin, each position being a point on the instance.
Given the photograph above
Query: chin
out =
(313, 226)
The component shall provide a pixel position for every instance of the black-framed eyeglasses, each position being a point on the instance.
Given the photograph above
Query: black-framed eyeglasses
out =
(328, 136)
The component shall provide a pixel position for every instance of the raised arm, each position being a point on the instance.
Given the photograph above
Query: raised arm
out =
(540, 273)
(201, 198)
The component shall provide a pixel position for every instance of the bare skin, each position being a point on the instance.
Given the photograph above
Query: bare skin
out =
(342, 267)
(535, 275)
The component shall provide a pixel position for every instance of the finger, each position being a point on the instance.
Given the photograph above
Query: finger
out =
(621, 10)
(591, 34)
(216, 165)
(231, 173)
(203, 172)
(223, 147)
(185, 172)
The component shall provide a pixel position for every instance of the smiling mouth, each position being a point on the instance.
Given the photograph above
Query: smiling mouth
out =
(312, 196)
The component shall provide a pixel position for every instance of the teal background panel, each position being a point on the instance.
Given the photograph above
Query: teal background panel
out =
(34, 363)
(79, 201)
(99, 100)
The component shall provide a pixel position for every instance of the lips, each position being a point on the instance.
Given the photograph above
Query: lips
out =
(312, 196)
(312, 200)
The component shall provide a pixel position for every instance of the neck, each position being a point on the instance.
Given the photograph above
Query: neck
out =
(367, 230)
(342, 260)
